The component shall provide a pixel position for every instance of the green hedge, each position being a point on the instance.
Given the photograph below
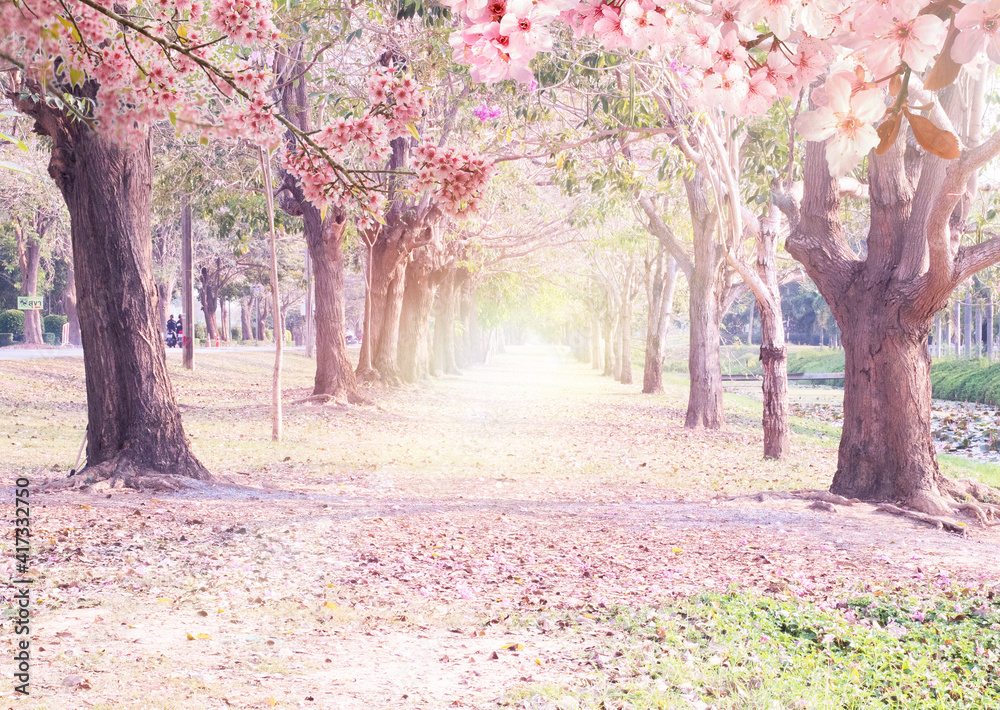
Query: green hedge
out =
(966, 380)
(54, 324)
(12, 321)
(957, 380)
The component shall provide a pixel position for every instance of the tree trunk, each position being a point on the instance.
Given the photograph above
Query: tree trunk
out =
(626, 334)
(187, 285)
(595, 341)
(309, 307)
(704, 366)
(386, 353)
(246, 327)
(422, 282)
(661, 287)
(706, 285)
(989, 326)
(886, 448)
(69, 303)
(609, 348)
(29, 254)
(968, 323)
(325, 237)
(773, 352)
(134, 427)
(210, 303)
(443, 362)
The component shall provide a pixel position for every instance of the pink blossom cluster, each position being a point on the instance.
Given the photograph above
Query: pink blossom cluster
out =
(245, 21)
(743, 55)
(141, 81)
(457, 177)
(483, 112)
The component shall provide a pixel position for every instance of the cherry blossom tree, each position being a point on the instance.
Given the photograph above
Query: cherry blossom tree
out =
(868, 68)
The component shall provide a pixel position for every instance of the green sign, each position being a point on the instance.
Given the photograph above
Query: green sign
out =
(29, 303)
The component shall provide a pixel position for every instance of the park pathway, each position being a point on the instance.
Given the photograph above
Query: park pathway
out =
(383, 556)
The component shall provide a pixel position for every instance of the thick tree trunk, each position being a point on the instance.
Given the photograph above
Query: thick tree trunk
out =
(422, 282)
(383, 267)
(134, 427)
(69, 303)
(704, 366)
(706, 286)
(886, 448)
(325, 237)
(386, 354)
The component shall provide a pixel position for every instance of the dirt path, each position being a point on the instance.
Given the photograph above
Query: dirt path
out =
(384, 557)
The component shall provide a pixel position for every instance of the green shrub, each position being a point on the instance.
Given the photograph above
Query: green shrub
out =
(235, 334)
(12, 322)
(49, 338)
(200, 332)
(54, 324)
(201, 342)
(6, 339)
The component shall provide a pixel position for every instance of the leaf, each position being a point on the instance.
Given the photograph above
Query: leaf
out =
(413, 130)
(331, 605)
(888, 131)
(7, 165)
(934, 140)
(76, 77)
(513, 646)
(16, 141)
(945, 69)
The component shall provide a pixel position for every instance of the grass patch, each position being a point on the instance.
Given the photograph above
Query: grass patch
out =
(961, 467)
(748, 652)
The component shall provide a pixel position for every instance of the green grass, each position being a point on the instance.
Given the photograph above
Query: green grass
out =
(741, 651)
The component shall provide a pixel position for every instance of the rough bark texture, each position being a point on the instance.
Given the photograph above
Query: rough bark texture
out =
(334, 372)
(886, 449)
(134, 430)
(773, 352)
(407, 227)
(706, 286)
(884, 305)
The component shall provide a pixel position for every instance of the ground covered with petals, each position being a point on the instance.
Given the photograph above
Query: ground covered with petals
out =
(528, 534)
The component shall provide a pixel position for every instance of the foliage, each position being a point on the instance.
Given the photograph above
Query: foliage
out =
(54, 323)
(744, 651)
(12, 321)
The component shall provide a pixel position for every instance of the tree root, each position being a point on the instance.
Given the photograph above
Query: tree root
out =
(123, 471)
(932, 520)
